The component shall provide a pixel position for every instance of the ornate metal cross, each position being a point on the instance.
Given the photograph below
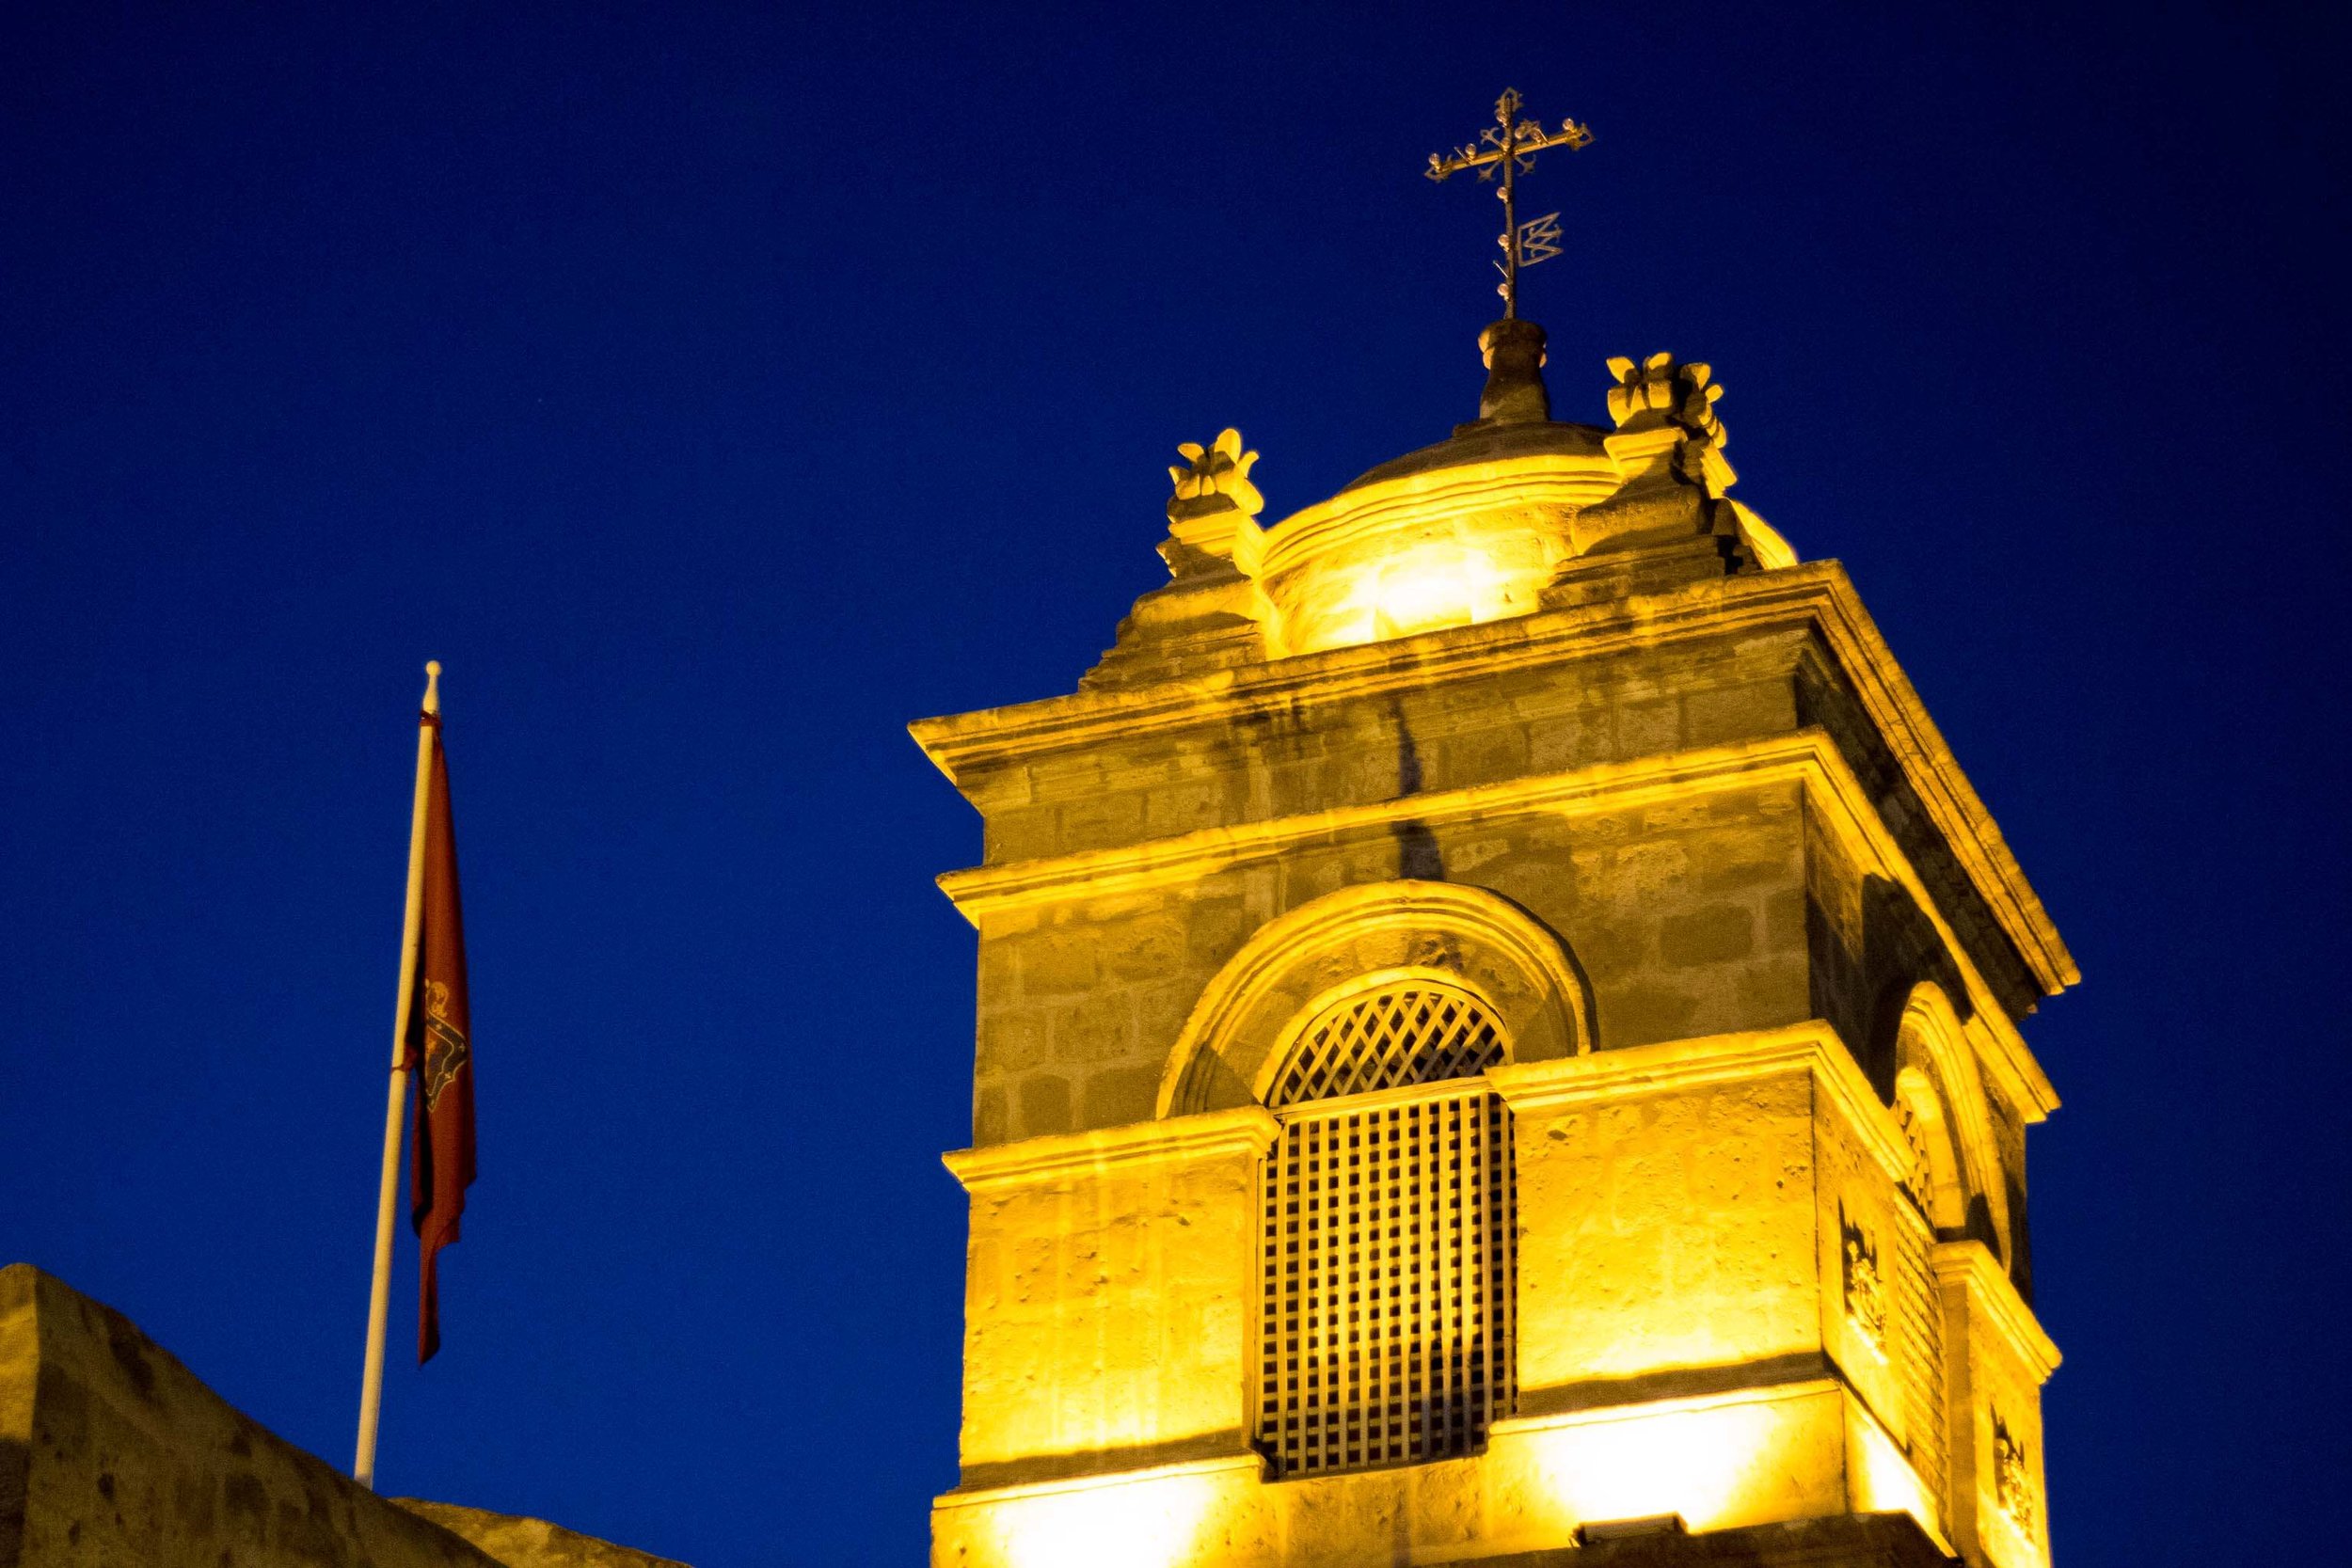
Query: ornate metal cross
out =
(1509, 147)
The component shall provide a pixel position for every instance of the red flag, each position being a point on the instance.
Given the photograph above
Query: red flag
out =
(440, 1053)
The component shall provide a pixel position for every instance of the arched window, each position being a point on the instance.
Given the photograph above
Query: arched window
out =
(1389, 1235)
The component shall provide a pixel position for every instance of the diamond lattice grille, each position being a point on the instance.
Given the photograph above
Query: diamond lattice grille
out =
(1389, 1240)
(1408, 1034)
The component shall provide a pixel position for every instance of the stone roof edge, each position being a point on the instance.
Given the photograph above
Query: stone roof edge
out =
(957, 743)
(1959, 813)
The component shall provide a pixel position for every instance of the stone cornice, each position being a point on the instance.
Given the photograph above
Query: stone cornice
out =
(1817, 592)
(1246, 1130)
(1807, 757)
(1952, 803)
(1249, 1463)
(959, 743)
(1605, 787)
(1677, 1065)
(1971, 1265)
(1762, 1393)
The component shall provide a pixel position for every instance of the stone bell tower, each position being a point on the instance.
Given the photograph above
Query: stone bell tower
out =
(1497, 1038)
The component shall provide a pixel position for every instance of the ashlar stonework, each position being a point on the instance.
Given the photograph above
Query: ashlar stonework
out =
(114, 1455)
(1541, 715)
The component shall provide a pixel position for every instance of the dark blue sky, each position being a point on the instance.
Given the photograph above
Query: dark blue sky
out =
(715, 388)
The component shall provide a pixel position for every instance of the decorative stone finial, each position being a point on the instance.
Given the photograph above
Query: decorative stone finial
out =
(1212, 614)
(1215, 479)
(1657, 394)
(1658, 386)
(1514, 352)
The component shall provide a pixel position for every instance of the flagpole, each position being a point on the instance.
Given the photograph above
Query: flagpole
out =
(395, 1102)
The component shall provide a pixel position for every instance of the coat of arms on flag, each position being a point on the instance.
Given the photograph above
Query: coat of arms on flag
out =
(445, 1048)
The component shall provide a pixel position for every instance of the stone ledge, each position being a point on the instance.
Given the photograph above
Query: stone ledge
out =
(981, 1497)
(1674, 1067)
(1679, 1387)
(1209, 1136)
(1808, 758)
(1210, 1452)
(1819, 592)
(1970, 1267)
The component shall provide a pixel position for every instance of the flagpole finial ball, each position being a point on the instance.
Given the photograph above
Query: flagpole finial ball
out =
(431, 686)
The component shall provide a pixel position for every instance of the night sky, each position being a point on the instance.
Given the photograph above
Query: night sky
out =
(715, 389)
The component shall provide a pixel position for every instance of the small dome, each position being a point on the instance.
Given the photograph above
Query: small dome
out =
(1484, 442)
(1513, 513)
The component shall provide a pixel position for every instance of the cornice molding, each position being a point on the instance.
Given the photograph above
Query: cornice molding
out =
(1674, 1067)
(1971, 1266)
(1606, 1415)
(984, 890)
(958, 743)
(1248, 1463)
(1805, 757)
(1246, 1130)
(1816, 592)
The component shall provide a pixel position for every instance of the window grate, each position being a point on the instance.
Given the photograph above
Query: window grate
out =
(1410, 1033)
(1388, 1242)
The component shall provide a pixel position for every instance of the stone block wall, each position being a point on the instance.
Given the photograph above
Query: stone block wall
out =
(1689, 1337)
(114, 1455)
(1663, 1236)
(1107, 1288)
(1722, 813)
(1687, 917)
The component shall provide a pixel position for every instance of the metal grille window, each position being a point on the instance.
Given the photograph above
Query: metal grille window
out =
(1389, 1237)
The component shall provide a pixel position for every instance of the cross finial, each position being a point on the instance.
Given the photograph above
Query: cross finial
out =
(1508, 147)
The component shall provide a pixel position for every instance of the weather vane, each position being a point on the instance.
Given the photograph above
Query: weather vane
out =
(1509, 146)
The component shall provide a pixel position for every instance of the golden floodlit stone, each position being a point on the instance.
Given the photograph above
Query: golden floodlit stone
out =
(1498, 1034)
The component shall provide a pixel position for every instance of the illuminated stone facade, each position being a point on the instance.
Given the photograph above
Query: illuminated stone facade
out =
(1539, 726)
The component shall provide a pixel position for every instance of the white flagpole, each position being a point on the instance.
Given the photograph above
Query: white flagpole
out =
(396, 1102)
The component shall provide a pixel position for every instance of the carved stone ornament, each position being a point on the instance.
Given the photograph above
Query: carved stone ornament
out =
(2012, 1479)
(1216, 478)
(1866, 1292)
(1658, 393)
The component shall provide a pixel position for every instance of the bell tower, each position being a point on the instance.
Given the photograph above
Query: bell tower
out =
(1498, 1039)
